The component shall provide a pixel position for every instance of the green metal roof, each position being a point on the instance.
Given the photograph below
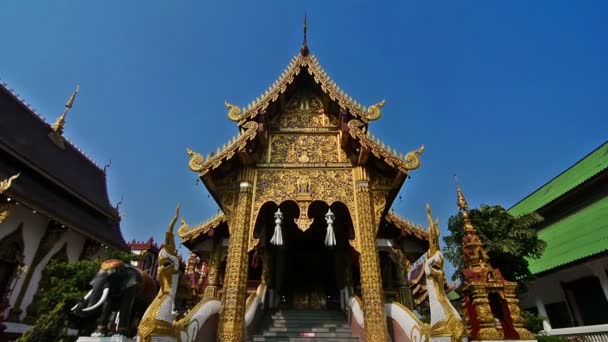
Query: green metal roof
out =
(582, 234)
(584, 169)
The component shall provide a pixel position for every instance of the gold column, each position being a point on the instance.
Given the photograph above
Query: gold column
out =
(213, 279)
(232, 314)
(371, 280)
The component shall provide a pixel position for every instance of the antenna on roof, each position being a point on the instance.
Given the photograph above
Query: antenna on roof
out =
(304, 50)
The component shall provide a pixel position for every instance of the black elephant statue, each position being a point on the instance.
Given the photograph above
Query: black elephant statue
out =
(120, 292)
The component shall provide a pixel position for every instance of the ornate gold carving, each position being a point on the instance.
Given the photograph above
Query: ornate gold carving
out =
(375, 111)
(406, 226)
(213, 277)
(303, 185)
(6, 183)
(234, 112)
(233, 309)
(411, 161)
(304, 110)
(303, 222)
(305, 148)
(203, 165)
(187, 233)
(379, 202)
(371, 280)
(311, 65)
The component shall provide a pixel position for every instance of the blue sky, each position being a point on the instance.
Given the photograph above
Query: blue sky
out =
(505, 94)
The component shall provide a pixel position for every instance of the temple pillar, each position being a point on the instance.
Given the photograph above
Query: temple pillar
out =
(371, 280)
(232, 314)
(213, 277)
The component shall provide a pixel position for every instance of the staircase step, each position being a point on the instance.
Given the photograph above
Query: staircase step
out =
(304, 325)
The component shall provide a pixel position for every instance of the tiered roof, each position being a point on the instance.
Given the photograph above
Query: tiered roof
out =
(63, 184)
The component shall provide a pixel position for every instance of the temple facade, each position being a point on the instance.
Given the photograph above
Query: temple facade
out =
(53, 205)
(304, 192)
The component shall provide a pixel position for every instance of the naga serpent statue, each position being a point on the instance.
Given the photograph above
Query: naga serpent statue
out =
(158, 323)
(446, 324)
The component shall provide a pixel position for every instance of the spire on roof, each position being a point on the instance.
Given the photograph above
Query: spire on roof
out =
(58, 125)
(304, 50)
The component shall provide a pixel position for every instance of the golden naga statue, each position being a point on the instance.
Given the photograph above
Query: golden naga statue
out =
(6, 183)
(375, 111)
(158, 322)
(234, 112)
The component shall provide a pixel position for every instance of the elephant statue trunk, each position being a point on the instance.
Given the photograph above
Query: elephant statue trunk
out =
(118, 290)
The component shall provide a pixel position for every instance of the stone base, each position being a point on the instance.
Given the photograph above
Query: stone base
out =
(116, 338)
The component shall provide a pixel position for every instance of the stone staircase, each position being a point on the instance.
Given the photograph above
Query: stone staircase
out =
(304, 325)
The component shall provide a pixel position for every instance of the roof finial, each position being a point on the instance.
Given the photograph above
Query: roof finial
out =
(304, 50)
(58, 125)
(463, 206)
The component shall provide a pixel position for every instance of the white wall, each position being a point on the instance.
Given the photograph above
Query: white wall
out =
(548, 287)
(74, 242)
(34, 226)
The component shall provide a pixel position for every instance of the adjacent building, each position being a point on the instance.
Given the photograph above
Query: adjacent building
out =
(55, 207)
(571, 285)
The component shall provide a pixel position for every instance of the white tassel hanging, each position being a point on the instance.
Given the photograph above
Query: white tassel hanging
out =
(330, 237)
(277, 237)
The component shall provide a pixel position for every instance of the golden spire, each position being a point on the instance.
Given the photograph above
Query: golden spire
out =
(169, 237)
(304, 50)
(474, 251)
(58, 125)
(463, 206)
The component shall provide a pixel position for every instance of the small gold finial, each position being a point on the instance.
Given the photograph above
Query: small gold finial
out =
(304, 50)
(71, 99)
(58, 125)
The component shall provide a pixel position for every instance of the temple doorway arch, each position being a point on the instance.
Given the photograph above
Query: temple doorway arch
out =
(308, 268)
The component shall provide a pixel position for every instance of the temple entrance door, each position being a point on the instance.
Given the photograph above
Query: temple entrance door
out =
(309, 273)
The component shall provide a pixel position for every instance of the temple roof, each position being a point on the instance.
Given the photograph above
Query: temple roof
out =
(406, 226)
(188, 233)
(255, 131)
(578, 236)
(309, 64)
(202, 165)
(64, 183)
(590, 165)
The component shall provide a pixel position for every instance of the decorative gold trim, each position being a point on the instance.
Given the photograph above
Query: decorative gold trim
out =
(312, 66)
(6, 183)
(234, 112)
(187, 233)
(411, 161)
(406, 226)
(202, 165)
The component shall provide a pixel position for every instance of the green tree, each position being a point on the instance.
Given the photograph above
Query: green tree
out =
(64, 284)
(509, 240)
